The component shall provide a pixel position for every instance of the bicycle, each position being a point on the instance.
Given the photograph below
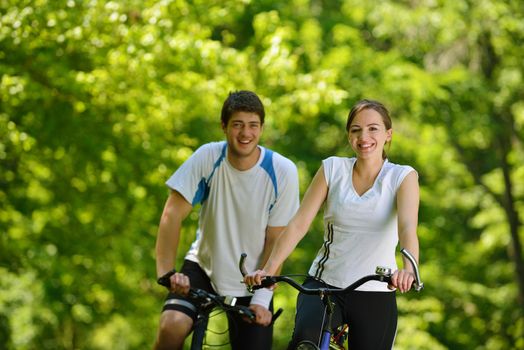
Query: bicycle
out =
(328, 339)
(207, 302)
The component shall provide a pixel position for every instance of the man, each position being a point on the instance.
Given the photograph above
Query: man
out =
(248, 194)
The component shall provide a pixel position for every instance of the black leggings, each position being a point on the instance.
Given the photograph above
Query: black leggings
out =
(242, 335)
(371, 318)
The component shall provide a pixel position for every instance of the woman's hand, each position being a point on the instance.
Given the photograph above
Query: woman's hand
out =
(255, 278)
(402, 280)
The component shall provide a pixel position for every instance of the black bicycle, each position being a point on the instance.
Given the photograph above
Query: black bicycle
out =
(331, 339)
(211, 305)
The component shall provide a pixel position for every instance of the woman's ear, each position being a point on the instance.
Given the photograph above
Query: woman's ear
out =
(389, 135)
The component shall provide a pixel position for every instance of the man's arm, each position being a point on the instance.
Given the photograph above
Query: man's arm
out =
(175, 211)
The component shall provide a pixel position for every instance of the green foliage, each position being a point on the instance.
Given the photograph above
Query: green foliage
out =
(100, 101)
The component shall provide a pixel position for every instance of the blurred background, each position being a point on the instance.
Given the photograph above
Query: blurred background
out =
(100, 101)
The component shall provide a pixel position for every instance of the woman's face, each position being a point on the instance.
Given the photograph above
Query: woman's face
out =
(367, 134)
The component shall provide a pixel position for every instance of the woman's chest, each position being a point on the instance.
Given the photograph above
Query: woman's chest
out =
(346, 207)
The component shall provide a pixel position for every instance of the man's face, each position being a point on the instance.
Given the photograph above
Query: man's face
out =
(243, 132)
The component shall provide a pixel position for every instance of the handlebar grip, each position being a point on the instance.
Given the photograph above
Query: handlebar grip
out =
(267, 282)
(246, 311)
(165, 279)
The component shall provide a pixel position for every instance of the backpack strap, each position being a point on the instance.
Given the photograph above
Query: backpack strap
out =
(267, 165)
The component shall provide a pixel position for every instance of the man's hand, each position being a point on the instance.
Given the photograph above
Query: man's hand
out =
(179, 284)
(263, 315)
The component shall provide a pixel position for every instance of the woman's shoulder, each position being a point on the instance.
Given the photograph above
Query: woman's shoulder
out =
(398, 167)
(336, 160)
(337, 168)
(397, 172)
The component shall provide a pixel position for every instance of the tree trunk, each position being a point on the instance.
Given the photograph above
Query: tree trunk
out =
(514, 225)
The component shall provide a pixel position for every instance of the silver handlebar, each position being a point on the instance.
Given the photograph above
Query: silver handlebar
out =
(417, 285)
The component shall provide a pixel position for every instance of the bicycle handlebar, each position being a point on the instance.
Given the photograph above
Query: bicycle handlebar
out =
(207, 299)
(226, 303)
(382, 274)
(418, 285)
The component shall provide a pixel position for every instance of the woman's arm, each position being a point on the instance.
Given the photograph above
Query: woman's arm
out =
(408, 196)
(296, 229)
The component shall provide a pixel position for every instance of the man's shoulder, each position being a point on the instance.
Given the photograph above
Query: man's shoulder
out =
(205, 157)
(210, 152)
(214, 146)
(279, 160)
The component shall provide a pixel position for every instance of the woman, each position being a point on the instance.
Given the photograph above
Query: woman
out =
(370, 205)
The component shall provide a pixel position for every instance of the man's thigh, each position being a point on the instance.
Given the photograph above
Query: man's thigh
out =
(245, 335)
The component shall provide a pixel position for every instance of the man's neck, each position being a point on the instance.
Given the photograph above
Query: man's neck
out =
(243, 163)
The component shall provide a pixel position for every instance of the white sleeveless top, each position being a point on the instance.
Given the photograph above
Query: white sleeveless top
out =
(361, 232)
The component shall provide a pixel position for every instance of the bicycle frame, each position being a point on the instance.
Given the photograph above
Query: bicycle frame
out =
(199, 332)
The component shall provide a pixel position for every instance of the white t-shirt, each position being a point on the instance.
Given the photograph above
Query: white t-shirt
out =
(361, 232)
(237, 206)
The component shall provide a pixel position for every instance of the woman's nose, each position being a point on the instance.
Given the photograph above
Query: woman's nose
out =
(362, 134)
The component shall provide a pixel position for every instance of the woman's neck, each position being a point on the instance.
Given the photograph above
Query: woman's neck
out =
(368, 167)
(365, 172)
